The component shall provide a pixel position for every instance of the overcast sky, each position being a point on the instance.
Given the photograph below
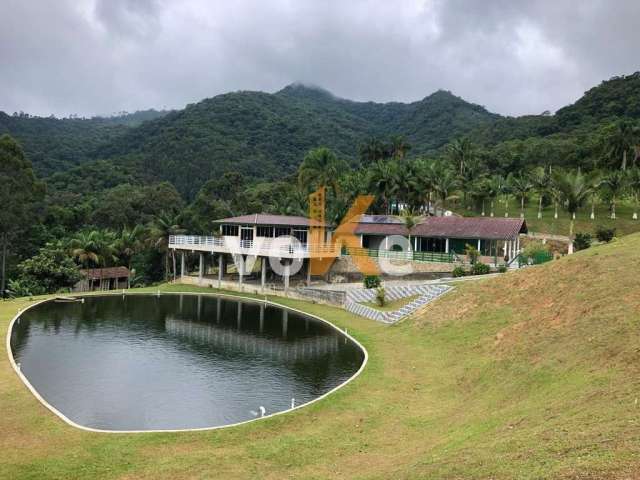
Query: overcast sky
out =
(514, 57)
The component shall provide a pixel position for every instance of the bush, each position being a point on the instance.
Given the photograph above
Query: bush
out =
(502, 269)
(582, 241)
(480, 269)
(458, 272)
(535, 249)
(380, 296)
(604, 234)
(371, 281)
(473, 253)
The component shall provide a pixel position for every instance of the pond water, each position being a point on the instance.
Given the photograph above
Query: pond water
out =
(142, 362)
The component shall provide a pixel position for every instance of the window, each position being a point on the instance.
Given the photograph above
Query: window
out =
(230, 230)
(301, 235)
(282, 231)
(264, 232)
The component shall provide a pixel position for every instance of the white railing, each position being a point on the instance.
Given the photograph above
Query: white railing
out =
(283, 247)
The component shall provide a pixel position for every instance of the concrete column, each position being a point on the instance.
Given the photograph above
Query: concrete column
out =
(261, 318)
(308, 272)
(220, 269)
(240, 269)
(478, 244)
(182, 265)
(285, 322)
(201, 268)
(286, 277)
(446, 245)
(263, 273)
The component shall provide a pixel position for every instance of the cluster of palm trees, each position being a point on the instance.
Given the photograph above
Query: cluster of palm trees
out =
(97, 248)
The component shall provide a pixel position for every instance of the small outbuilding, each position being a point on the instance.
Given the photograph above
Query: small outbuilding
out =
(96, 279)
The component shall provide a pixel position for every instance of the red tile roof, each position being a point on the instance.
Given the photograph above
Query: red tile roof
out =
(444, 227)
(268, 219)
(111, 272)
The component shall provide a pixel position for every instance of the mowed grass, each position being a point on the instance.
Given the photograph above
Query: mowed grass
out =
(533, 374)
(624, 223)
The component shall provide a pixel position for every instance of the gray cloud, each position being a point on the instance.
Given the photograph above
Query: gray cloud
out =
(102, 56)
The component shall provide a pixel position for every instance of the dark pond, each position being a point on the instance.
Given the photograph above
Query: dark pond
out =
(176, 361)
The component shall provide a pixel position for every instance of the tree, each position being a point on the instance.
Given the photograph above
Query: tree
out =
(410, 221)
(540, 183)
(445, 184)
(94, 248)
(614, 183)
(382, 181)
(521, 185)
(320, 168)
(129, 243)
(162, 228)
(573, 189)
(494, 187)
(461, 151)
(20, 195)
(399, 147)
(49, 271)
(620, 140)
(371, 152)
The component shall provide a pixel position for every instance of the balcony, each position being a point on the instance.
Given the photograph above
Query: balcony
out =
(281, 247)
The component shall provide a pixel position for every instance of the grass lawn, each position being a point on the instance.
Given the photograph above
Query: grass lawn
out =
(393, 305)
(532, 374)
(624, 223)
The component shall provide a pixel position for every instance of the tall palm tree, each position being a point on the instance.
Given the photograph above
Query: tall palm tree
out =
(573, 189)
(521, 185)
(634, 185)
(540, 182)
(615, 182)
(383, 182)
(622, 137)
(494, 187)
(320, 168)
(506, 190)
(129, 243)
(461, 151)
(163, 226)
(481, 190)
(371, 152)
(399, 147)
(445, 184)
(410, 221)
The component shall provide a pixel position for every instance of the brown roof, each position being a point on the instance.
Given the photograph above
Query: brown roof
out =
(471, 227)
(445, 227)
(111, 272)
(268, 219)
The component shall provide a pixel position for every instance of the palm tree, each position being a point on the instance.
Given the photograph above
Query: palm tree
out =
(372, 151)
(165, 225)
(506, 190)
(494, 187)
(540, 183)
(93, 248)
(481, 190)
(521, 185)
(461, 151)
(445, 184)
(399, 147)
(382, 181)
(573, 190)
(620, 140)
(320, 168)
(615, 183)
(634, 185)
(410, 221)
(129, 243)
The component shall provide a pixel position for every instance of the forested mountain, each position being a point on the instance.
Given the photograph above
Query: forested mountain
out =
(265, 136)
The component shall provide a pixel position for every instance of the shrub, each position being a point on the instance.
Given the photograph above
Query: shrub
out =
(458, 271)
(371, 281)
(582, 241)
(535, 249)
(502, 269)
(472, 252)
(380, 296)
(480, 269)
(604, 234)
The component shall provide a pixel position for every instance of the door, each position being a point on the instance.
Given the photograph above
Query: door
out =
(246, 237)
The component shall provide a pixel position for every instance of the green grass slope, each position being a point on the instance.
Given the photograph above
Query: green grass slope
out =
(533, 374)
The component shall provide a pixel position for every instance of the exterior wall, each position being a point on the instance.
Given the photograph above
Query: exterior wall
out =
(344, 268)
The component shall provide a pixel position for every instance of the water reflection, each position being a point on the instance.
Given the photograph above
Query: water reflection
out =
(176, 361)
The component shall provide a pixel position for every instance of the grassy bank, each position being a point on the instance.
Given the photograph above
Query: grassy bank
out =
(533, 374)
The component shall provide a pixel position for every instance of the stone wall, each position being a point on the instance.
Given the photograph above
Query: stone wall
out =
(344, 269)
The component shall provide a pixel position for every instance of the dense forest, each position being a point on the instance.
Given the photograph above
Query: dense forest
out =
(107, 191)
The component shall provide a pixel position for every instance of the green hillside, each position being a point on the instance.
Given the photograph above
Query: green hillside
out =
(530, 375)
